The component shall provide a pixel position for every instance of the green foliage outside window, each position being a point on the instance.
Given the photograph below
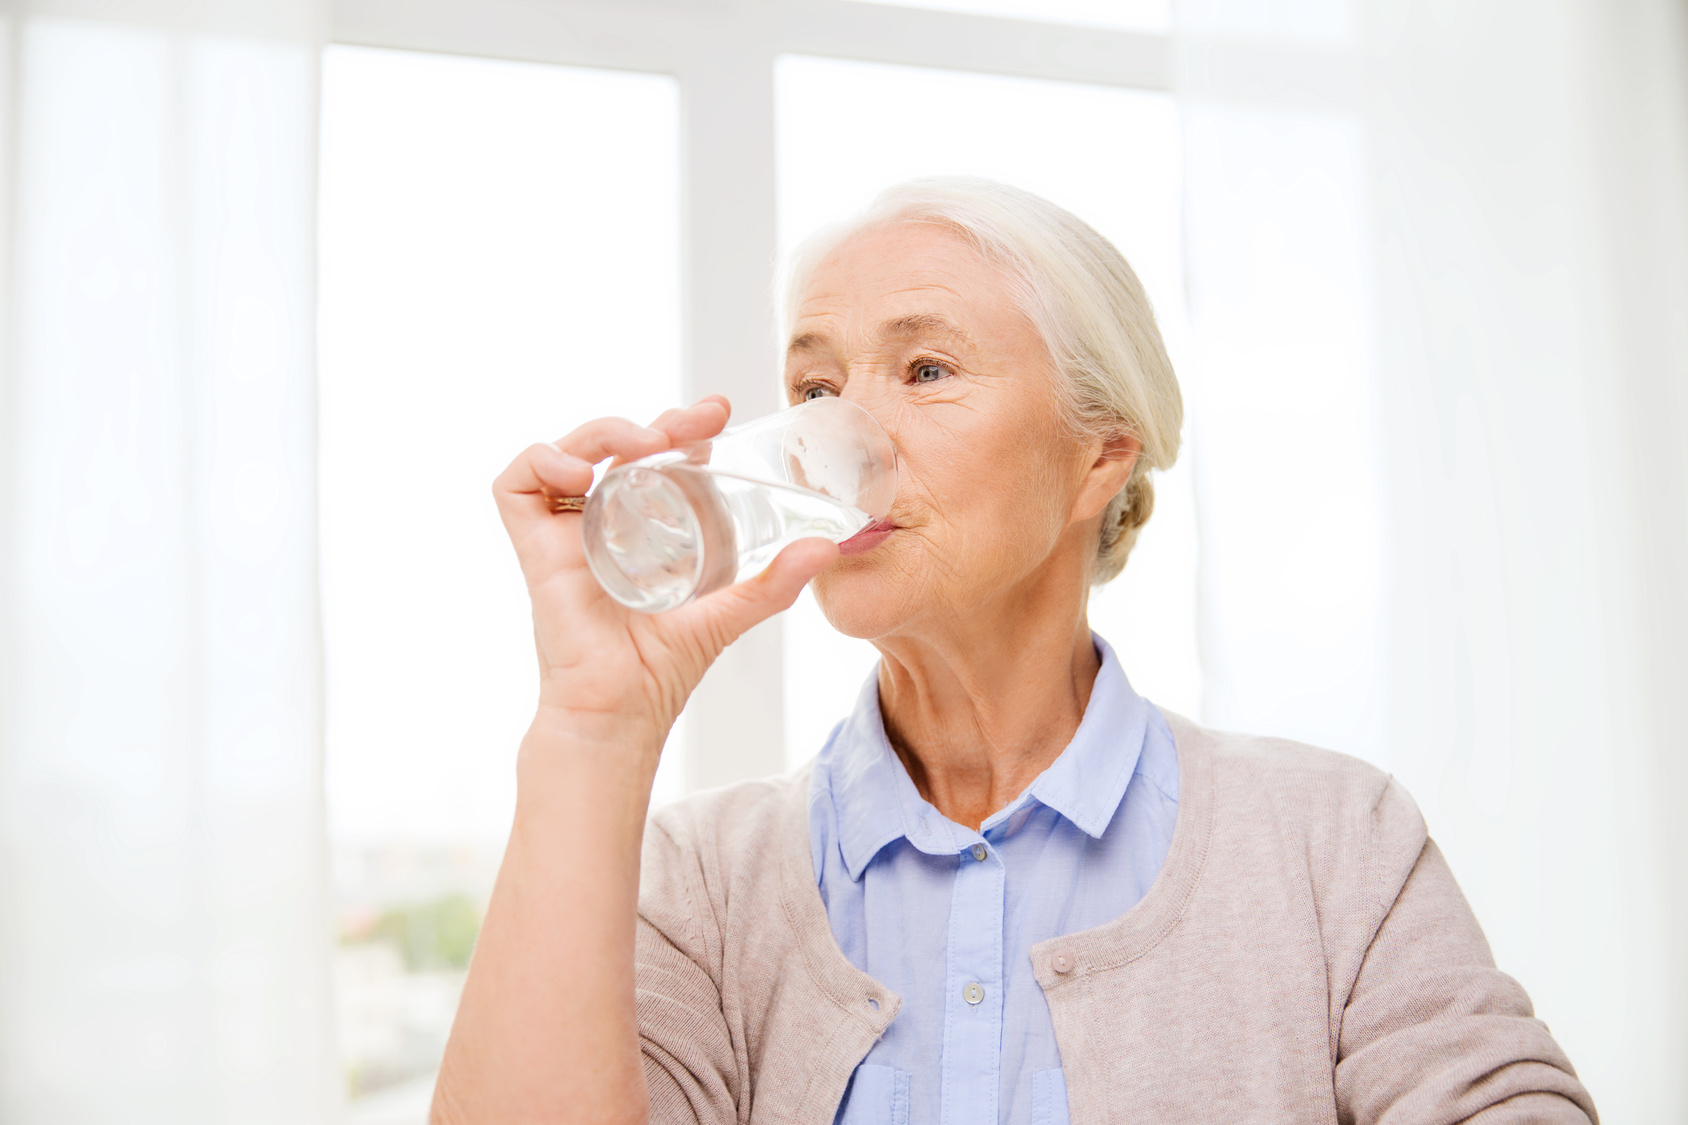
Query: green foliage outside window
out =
(433, 935)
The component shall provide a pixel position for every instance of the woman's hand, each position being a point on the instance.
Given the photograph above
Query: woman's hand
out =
(547, 1029)
(607, 673)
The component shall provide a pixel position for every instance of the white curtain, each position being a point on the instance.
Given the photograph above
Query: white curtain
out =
(162, 916)
(1529, 188)
(1533, 358)
(1438, 262)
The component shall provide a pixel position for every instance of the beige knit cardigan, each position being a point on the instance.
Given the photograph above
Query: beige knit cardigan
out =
(1303, 956)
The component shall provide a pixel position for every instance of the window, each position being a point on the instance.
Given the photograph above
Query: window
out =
(1127, 15)
(1228, 158)
(501, 259)
(500, 262)
(1288, 468)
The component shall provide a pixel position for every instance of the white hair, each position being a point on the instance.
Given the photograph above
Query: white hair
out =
(1086, 303)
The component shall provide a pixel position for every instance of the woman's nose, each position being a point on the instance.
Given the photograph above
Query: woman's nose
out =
(873, 399)
(867, 387)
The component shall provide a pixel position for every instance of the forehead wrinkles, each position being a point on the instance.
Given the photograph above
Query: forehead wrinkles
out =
(929, 309)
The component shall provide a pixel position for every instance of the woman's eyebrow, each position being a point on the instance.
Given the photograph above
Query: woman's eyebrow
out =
(806, 342)
(922, 324)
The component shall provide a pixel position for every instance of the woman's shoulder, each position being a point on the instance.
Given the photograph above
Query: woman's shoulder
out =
(1333, 805)
(1292, 772)
(732, 843)
(742, 817)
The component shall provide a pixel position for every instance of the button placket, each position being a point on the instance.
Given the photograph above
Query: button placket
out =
(972, 1061)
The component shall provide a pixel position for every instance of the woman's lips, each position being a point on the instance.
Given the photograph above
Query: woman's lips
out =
(867, 538)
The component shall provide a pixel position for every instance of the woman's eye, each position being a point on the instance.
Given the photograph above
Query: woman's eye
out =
(928, 373)
(814, 391)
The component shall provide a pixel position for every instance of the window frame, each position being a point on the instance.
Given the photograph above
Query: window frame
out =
(722, 53)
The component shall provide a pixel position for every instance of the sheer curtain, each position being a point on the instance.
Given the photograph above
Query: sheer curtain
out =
(1528, 195)
(1437, 288)
(162, 928)
(1529, 182)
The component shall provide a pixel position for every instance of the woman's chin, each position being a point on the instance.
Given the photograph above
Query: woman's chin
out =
(862, 595)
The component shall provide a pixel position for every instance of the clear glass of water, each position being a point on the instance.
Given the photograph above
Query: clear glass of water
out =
(674, 526)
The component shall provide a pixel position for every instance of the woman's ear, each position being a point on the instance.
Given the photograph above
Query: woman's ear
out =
(1108, 473)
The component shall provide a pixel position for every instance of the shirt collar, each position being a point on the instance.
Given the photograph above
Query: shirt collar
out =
(876, 801)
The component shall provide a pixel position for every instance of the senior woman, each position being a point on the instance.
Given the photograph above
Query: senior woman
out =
(1008, 889)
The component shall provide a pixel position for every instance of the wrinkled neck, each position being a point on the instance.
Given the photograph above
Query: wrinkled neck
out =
(978, 707)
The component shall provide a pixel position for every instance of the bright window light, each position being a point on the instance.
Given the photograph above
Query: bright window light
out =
(499, 263)
(1125, 15)
(1318, 23)
(848, 129)
(1293, 561)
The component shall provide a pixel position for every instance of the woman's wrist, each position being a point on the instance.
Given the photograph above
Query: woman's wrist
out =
(594, 756)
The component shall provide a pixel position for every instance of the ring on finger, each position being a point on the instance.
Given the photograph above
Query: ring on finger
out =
(566, 503)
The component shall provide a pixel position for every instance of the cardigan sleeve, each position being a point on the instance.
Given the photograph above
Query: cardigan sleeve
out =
(1432, 1032)
(690, 1065)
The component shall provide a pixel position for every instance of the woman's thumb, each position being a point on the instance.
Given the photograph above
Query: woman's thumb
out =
(726, 614)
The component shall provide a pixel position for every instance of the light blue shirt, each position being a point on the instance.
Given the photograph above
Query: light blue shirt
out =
(946, 917)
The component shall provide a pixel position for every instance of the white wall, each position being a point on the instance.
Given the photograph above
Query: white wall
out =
(1529, 498)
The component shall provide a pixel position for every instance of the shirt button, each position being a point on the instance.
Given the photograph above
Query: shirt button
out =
(1061, 963)
(979, 852)
(973, 993)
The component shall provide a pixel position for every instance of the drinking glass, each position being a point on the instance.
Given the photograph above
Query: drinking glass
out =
(679, 524)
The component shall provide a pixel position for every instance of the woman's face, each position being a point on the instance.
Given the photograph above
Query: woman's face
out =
(998, 503)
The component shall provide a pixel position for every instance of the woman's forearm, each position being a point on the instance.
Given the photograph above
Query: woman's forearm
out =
(546, 1030)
